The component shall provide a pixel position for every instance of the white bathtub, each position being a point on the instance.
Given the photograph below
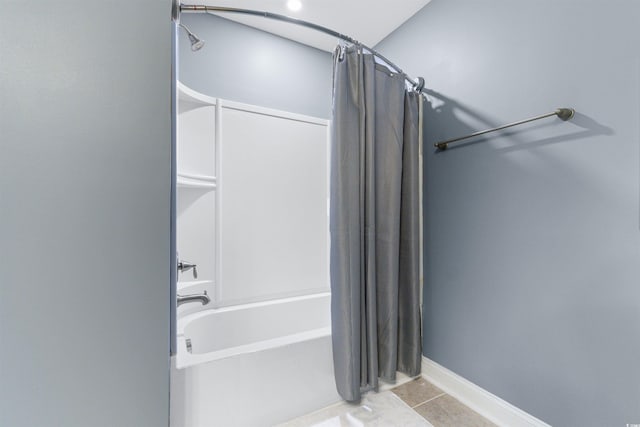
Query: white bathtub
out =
(254, 364)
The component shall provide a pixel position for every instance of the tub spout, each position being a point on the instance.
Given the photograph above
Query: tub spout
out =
(203, 298)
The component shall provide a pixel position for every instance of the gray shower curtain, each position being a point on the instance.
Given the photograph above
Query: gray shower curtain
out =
(374, 224)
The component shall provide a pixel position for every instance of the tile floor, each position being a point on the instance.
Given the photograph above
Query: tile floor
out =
(416, 403)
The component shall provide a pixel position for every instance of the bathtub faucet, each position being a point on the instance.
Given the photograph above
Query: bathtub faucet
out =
(203, 298)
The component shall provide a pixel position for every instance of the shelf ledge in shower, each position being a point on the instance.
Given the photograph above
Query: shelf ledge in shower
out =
(187, 94)
(204, 182)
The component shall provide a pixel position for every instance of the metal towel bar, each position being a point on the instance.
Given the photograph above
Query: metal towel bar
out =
(562, 113)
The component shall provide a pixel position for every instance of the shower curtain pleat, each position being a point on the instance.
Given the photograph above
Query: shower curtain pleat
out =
(374, 225)
(409, 318)
(347, 244)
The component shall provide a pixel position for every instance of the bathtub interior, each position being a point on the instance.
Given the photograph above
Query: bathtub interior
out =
(256, 364)
(229, 331)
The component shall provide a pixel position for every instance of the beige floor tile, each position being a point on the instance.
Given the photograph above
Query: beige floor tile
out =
(445, 411)
(417, 391)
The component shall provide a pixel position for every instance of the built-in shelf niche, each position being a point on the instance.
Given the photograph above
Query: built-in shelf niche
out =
(197, 126)
(196, 198)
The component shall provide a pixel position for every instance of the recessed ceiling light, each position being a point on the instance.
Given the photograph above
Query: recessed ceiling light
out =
(294, 5)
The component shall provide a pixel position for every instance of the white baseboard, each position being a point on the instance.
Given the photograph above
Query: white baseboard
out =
(486, 404)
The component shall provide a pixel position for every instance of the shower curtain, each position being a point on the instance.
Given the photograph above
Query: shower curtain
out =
(374, 224)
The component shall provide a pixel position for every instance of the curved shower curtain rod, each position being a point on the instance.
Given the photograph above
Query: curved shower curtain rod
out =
(417, 84)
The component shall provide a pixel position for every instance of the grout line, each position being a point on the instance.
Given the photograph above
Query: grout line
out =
(427, 401)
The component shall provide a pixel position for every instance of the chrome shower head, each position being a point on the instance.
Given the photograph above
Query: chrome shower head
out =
(196, 43)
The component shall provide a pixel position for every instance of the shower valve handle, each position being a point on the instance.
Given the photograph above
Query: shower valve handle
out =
(186, 266)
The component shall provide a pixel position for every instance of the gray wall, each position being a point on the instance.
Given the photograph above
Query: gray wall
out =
(243, 64)
(532, 237)
(85, 137)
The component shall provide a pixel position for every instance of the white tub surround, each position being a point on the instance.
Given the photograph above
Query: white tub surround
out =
(253, 215)
(252, 201)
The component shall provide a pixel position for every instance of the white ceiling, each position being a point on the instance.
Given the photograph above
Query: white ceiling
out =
(368, 21)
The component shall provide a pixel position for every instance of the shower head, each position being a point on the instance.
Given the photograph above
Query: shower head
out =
(196, 43)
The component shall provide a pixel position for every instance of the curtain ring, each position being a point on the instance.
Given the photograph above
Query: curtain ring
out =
(340, 52)
(419, 85)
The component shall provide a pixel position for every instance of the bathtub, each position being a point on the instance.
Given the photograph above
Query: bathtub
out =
(252, 365)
